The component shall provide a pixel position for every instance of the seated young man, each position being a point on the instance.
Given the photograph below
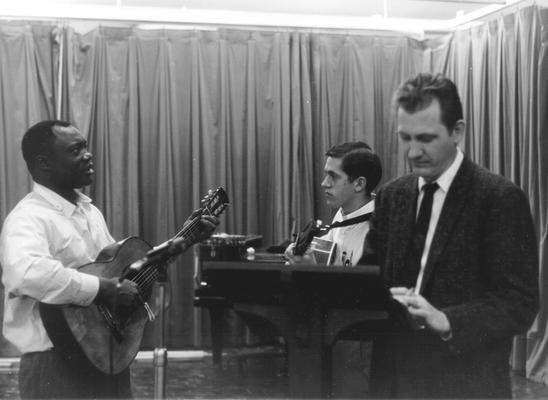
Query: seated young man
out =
(352, 171)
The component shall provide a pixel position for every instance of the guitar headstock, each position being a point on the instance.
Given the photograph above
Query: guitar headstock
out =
(215, 202)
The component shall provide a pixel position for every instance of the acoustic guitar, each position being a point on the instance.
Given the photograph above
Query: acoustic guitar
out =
(323, 250)
(309, 238)
(110, 338)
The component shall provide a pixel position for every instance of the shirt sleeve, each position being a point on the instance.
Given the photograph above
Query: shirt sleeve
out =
(29, 268)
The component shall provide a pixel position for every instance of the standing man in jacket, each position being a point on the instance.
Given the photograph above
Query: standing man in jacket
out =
(457, 246)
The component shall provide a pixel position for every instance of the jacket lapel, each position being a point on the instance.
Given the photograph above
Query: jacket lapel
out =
(452, 208)
(406, 199)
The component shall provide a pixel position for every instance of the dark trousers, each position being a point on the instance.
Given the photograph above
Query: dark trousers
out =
(47, 374)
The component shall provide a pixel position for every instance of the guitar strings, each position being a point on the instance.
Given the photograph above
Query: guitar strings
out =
(148, 276)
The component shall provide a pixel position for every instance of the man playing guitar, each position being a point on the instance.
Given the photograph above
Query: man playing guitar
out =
(49, 233)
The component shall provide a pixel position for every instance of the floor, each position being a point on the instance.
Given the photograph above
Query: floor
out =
(192, 375)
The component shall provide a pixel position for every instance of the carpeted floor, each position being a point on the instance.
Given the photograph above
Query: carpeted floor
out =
(192, 375)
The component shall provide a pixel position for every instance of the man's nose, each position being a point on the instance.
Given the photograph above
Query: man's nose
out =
(325, 182)
(414, 151)
(87, 155)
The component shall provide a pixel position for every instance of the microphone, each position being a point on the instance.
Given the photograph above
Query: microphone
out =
(160, 253)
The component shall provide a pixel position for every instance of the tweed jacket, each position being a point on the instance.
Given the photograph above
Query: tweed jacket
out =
(482, 272)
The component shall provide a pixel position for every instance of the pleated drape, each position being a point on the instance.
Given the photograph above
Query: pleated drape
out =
(28, 66)
(500, 70)
(170, 114)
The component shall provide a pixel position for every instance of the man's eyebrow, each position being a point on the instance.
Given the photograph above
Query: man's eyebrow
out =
(425, 135)
(331, 173)
(418, 135)
(78, 144)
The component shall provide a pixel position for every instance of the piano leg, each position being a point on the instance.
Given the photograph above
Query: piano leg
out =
(309, 357)
(216, 319)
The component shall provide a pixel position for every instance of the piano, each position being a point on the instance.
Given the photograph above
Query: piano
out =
(310, 306)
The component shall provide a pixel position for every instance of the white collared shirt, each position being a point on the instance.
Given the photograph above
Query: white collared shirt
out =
(350, 239)
(43, 239)
(444, 182)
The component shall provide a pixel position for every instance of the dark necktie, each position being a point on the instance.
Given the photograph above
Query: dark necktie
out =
(423, 220)
(419, 233)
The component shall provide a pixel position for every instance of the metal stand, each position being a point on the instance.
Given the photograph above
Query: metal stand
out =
(160, 352)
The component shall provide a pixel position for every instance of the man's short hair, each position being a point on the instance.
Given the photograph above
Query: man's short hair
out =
(417, 93)
(37, 140)
(358, 159)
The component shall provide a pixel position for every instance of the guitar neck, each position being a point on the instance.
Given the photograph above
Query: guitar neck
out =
(213, 204)
(166, 251)
(306, 237)
(176, 245)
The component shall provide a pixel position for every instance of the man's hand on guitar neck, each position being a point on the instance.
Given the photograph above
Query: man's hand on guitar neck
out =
(114, 293)
(306, 258)
(205, 224)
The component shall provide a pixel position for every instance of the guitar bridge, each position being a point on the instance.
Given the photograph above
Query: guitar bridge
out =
(150, 313)
(113, 326)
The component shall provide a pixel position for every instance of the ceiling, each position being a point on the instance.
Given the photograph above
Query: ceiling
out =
(409, 15)
(428, 9)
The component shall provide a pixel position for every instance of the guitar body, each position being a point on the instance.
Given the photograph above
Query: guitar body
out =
(107, 338)
(83, 331)
(324, 250)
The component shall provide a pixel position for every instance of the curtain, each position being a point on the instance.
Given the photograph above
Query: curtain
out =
(536, 160)
(170, 114)
(28, 57)
(353, 79)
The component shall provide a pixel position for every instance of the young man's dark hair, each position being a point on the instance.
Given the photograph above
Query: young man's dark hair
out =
(37, 140)
(358, 159)
(417, 93)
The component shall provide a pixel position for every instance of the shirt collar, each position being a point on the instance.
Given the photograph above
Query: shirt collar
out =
(59, 202)
(445, 179)
(366, 208)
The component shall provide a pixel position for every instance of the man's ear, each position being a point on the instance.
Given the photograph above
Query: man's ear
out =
(360, 183)
(42, 163)
(458, 130)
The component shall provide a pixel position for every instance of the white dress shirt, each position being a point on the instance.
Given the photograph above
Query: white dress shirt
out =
(43, 239)
(350, 239)
(444, 182)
